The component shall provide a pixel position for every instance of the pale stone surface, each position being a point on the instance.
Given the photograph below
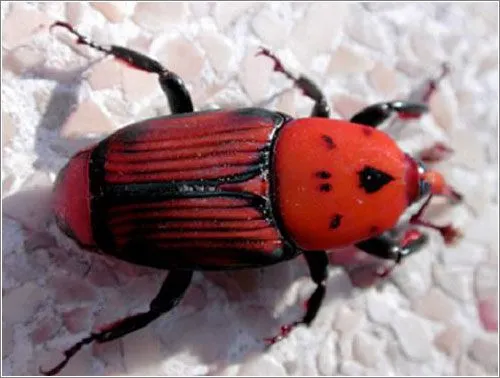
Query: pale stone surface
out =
(348, 321)
(138, 85)
(413, 338)
(485, 352)
(87, 118)
(8, 128)
(219, 51)
(271, 28)
(486, 281)
(468, 367)
(455, 283)
(450, 340)
(444, 108)
(385, 80)
(141, 352)
(155, 16)
(105, 74)
(253, 67)
(319, 29)
(182, 57)
(44, 330)
(112, 10)
(379, 309)
(367, 350)
(72, 290)
(7, 341)
(488, 312)
(74, 12)
(77, 320)
(227, 12)
(33, 21)
(327, 358)
(22, 59)
(26, 297)
(347, 105)
(262, 366)
(435, 305)
(464, 253)
(370, 32)
(346, 60)
(352, 368)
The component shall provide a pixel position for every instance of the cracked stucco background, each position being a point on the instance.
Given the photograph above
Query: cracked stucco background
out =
(436, 314)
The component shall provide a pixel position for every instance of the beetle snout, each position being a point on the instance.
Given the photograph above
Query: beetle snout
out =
(71, 201)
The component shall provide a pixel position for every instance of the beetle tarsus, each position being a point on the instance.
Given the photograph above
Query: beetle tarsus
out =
(68, 354)
(284, 332)
(317, 262)
(449, 233)
(82, 40)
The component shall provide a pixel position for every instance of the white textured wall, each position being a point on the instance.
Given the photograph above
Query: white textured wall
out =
(437, 314)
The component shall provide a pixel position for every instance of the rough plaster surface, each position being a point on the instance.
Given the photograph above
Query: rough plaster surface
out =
(436, 314)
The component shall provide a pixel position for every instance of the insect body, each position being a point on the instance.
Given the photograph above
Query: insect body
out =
(234, 189)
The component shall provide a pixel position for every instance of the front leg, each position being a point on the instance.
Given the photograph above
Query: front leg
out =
(387, 248)
(375, 115)
(318, 267)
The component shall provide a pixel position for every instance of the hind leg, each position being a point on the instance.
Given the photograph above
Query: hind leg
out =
(171, 292)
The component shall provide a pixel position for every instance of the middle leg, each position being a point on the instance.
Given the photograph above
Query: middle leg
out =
(317, 262)
(308, 87)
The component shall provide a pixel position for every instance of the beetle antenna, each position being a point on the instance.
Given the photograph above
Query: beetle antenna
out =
(82, 40)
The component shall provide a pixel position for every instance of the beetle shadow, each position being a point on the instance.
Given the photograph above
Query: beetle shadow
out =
(50, 145)
(223, 318)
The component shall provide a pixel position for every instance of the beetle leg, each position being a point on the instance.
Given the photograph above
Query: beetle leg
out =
(385, 247)
(171, 292)
(318, 267)
(308, 87)
(171, 84)
(375, 115)
(414, 107)
(448, 232)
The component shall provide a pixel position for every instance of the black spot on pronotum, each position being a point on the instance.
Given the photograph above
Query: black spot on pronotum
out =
(323, 174)
(335, 221)
(372, 179)
(325, 187)
(330, 144)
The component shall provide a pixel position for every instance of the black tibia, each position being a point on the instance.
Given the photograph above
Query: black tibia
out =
(308, 87)
(387, 248)
(171, 292)
(375, 115)
(172, 85)
(318, 267)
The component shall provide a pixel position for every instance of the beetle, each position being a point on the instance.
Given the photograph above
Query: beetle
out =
(242, 188)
